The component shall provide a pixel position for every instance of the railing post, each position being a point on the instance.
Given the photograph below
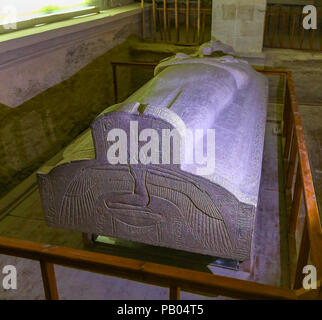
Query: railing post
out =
(293, 221)
(202, 37)
(198, 21)
(302, 257)
(154, 19)
(143, 19)
(194, 18)
(165, 19)
(169, 23)
(320, 46)
(287, 108)
(288, 141)
(115, 82)
(49, 280)
(187, 20)
(302, 35)
(174, 293)
(160, 23)
(176, 19)
(296, 203)
(293, 29)
(312, 39)
(267, 13)
(283, 28)
(275, 17)
(288, 124)
(291, 163)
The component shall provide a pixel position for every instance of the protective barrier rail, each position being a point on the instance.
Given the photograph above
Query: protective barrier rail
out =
(161, 275)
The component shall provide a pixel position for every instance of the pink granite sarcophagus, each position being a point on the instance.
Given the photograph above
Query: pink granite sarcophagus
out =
(174, 204)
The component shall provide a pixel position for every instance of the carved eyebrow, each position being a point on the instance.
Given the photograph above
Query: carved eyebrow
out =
(175, 98)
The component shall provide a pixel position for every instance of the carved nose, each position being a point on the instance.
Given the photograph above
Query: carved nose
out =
(138, 198)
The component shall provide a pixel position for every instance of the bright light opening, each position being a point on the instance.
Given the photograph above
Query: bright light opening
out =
(20, 10)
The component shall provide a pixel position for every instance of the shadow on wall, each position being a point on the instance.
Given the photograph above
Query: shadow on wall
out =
(37, 129)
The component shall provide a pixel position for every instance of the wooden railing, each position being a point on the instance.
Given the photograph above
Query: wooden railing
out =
(181, 22)
(298, 183)
(177, 279)
(284, 29)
